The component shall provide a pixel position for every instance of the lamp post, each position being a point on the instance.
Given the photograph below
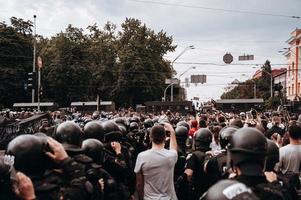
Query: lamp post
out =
(34, 55)
(172, 63)
(173, 83)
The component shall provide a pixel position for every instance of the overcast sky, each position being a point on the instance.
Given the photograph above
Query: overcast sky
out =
(212, 32)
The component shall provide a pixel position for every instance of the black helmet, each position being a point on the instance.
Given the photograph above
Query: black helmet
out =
(202, 139)
(69, 133)
(181, 132)
(248, 150)
(272, 155)
(29, 153)
(183, 123)
(225, 136)
(229, 190)
(148, 123)
(134, 127)
(94, 130)
(94, 149)
(112, 131)
(121, 120)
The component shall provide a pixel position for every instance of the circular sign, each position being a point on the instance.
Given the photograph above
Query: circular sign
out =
(228, 58)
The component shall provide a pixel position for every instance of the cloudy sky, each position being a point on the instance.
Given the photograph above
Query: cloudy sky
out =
(214, 27)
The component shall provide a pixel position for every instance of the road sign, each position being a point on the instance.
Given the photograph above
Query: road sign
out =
(170, 81)
(228, 58)
(246, 57)
(198, 79)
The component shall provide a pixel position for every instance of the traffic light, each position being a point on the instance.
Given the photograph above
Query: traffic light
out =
(31, 80)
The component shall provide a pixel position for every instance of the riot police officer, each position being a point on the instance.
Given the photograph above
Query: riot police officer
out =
(71, 136)
(225, 137)
(248, 151)
(32, 155)
(120, 162)
(95, 150)
(181, 133)
(201, 170)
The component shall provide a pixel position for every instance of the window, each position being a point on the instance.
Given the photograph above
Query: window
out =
(289, 70)
(293, 68)
(293, 88)
(289, 90)
(298, 89)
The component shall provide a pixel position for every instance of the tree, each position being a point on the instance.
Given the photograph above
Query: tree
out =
(242, 91)
(66, 73)
(15, 61)
(125, 66)
(102, 56)
(142, 69)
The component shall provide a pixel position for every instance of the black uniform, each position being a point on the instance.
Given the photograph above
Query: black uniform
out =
(248, 149)
(204, 167)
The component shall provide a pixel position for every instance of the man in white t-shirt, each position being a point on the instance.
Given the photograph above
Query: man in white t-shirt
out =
(155, 167)
(290, 155)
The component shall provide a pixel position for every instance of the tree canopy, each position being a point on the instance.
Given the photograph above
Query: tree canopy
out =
(126, 66)
(243, 90)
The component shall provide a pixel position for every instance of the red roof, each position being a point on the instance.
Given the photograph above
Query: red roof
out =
(275, 72)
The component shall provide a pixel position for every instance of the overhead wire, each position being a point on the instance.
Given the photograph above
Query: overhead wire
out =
(218, 9)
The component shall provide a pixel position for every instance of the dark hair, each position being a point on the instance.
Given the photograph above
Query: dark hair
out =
(202, 124)
(158, 134)
(294, 131)
(221, 119)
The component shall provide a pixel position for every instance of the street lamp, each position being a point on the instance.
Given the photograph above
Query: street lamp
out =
(172, 63)
(173, 83)
(34, 55)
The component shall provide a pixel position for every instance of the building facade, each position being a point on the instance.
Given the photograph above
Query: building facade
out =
(293, 75)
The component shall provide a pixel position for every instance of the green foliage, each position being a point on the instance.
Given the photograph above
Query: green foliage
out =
(243, 91)
(273, 102)
(125, 66)
(142, 69)
(15, 61)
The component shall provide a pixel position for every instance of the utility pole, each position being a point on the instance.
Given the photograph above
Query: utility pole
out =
(172, 64)
(34, 55)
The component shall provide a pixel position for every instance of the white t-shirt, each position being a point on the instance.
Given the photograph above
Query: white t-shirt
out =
(290, 158)
(157, 167)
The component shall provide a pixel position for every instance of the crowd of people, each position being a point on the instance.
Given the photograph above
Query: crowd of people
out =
(155, 156)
